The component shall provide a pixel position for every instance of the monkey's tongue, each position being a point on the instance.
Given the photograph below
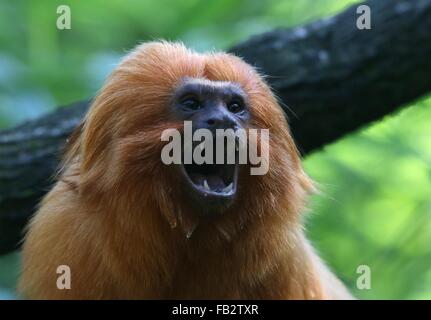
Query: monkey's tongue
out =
(210, 181)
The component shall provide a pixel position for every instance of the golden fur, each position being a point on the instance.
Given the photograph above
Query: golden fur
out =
(118, 219)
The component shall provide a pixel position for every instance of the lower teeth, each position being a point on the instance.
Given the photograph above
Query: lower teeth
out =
(228, 188)
(224, 190)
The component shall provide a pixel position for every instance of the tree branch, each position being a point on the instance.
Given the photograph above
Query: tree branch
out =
(336, 78)
(333, 77)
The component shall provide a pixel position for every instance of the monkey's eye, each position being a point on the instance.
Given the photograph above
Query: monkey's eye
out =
(235, 106)
(191, 103)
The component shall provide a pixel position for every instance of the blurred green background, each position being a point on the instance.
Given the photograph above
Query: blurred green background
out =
(375, 206)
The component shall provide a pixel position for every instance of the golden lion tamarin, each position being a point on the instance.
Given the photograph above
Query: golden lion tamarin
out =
(130, 227)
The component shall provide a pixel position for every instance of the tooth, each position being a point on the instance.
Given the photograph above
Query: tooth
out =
(228, 188)
(206, 185)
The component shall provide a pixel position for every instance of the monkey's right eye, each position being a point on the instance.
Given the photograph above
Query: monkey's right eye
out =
(191, 103)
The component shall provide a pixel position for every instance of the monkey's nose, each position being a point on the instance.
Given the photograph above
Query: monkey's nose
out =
(216, 119)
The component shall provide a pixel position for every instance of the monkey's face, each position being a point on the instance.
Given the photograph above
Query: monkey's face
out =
(213, 108)
(163, 86)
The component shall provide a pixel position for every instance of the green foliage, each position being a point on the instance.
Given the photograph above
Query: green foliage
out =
(375, 205)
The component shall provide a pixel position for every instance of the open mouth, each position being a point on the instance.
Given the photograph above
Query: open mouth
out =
(212, 180)
(213, 185)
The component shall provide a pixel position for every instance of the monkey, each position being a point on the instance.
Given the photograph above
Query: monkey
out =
(130, 227)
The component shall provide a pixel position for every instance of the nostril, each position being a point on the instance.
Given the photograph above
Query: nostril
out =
(211, 122)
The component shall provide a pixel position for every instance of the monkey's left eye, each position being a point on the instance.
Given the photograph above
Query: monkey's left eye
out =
(191, 103)
(235, 106)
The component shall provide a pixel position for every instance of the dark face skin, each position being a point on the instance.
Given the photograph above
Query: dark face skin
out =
(211, 105)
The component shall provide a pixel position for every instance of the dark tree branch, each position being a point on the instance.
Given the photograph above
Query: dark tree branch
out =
(334, 78)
